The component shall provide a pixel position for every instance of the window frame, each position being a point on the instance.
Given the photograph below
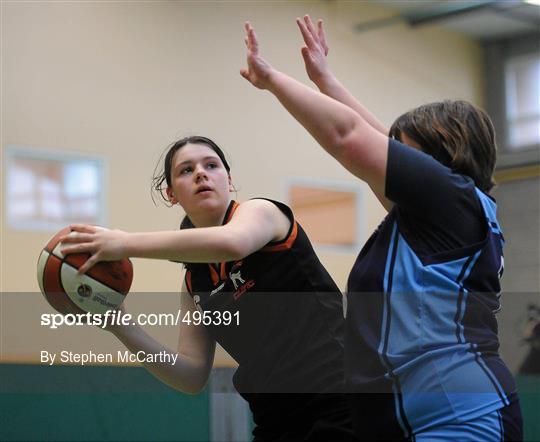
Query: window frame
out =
(357, 188)
(45, 154)
(497, 54)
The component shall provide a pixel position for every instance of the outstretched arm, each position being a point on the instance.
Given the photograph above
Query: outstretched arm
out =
(254, 224)
(314, 53)
(343, 133)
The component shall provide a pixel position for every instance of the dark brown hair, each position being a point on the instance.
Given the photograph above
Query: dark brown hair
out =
(162, 173)
(455, 133)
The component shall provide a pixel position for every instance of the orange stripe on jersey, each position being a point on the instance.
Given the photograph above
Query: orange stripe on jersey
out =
(188, 281)
(285, 245)
(222, 272)
(231, 212)
(213, 274)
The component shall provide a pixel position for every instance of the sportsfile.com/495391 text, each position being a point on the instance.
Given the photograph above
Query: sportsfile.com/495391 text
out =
(117, 318)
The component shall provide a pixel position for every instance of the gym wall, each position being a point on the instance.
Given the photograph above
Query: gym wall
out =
(122, 80)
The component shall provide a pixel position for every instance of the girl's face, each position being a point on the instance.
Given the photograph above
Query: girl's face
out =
(199, 181)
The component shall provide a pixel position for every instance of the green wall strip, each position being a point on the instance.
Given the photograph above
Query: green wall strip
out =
(96, 403)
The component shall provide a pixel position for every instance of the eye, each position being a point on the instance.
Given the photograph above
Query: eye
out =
(212, 165)
(186, 170)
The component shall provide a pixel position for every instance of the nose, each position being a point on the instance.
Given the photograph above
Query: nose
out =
(200, 174)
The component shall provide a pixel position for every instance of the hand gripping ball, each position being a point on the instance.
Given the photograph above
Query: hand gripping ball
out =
(104, 287)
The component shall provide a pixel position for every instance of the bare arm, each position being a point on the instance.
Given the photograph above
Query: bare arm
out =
(314, 53)
(343, 133)
(254, 224)
(195, 352)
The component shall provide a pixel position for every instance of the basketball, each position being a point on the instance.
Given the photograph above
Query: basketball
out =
(104, 287)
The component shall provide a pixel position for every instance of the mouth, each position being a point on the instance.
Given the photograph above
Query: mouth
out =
(203, 189)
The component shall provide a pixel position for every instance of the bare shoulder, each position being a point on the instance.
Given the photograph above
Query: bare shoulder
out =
(259, 206)
(265, 213)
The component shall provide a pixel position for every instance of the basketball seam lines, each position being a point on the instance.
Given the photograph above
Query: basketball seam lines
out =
(63, 261)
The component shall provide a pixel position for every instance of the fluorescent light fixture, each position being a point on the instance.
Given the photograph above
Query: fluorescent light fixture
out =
(532, 2)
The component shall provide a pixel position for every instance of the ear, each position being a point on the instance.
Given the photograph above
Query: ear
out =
(170, 195)
(231, 186)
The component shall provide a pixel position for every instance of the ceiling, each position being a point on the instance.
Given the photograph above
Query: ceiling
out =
(481, 19)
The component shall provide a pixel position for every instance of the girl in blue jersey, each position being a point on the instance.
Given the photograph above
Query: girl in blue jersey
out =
(264, 296)
(421, 334)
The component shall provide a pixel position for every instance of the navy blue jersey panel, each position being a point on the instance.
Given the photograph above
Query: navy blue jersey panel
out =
(365, 288)
(438, 209)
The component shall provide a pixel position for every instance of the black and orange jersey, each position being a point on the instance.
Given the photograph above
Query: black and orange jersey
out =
(289, 333)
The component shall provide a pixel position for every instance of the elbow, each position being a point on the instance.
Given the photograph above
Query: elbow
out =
(189, 378)
(346, 137)
(190, 386)
(197, 383)
(355, 142)
(192, 390)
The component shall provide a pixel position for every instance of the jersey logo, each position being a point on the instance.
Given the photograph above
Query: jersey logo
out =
(240, 284)
(236, 279)
(243, 289)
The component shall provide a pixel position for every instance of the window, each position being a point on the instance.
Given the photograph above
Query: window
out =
(329, 212)
(47, 190)
(512, 91)
(522, 76)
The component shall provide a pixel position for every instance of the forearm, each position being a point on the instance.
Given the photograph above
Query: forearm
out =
(330, 85)
(327, 120)
(209, 244)
(351, 136)
(184, 374)
(342, 132)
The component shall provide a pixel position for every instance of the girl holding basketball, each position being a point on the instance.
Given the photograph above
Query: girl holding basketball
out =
(253, 260)
(421, 337)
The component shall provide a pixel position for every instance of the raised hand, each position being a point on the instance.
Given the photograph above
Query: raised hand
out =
(258, 70)
(315, 50)
(102, 244)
